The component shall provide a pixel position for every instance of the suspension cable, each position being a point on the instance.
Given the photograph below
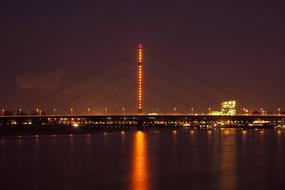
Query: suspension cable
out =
(200, 79)
(84, 78)
(95, 89)
(110, 97)
(181, 86)
(167, 96)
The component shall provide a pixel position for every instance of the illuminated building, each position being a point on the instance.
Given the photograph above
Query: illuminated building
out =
(140, 98)
(227, 108)
(215, 113)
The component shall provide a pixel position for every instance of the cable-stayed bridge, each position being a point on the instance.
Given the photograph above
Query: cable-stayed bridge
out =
(119, 116)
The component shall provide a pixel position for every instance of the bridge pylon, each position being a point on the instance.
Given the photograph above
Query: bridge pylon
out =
(140, 78)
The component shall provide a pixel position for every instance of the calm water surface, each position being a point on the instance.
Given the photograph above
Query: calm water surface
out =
(142, 160)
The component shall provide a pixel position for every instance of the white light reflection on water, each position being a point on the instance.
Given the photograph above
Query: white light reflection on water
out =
(228, 161)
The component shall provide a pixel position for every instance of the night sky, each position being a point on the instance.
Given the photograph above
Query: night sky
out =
(236, 45)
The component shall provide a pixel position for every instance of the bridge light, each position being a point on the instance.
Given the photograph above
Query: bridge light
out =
(20, 111)
(209, 110)
(157, 110)
(261, 111)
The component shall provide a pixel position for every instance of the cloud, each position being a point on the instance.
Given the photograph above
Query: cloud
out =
(47, 80)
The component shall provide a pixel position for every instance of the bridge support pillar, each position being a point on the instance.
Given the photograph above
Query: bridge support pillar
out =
(140, 77)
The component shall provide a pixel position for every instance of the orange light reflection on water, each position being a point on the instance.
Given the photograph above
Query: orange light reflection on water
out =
(139, 177)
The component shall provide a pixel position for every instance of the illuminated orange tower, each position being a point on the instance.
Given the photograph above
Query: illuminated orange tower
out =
(140, 95)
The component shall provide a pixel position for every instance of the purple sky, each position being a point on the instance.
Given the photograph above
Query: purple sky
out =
(237, 45)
